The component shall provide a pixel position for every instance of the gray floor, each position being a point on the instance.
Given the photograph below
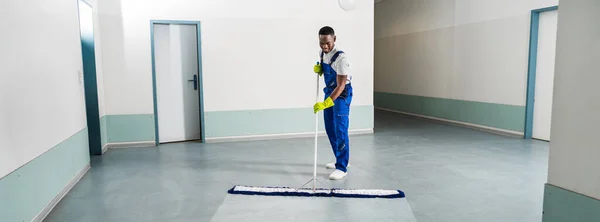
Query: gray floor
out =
(301, 209)
(448, 174)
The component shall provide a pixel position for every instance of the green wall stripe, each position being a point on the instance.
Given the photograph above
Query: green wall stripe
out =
(562, 205)
(140, 127)
(129, 128)
(507, 117)
(277, 121)
(27, 190)
(103, 131)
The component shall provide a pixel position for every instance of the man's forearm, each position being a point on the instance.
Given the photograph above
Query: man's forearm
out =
(341, 85)
(337, 91)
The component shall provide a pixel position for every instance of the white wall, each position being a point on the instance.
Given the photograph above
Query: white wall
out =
(457, 49)
(110, 30)
(397, 17)
(413, 47)
(256, 54)
(574, 152)
(42, 98)
(4, 131)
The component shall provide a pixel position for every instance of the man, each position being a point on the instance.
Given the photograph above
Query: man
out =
(334, 67)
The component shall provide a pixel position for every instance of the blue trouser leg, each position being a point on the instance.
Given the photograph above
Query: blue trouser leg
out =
(330, 126)
(336, 125)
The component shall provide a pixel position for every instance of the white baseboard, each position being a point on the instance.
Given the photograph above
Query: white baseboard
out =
(462, 124)
(44, 213)
(104, 148)
(280, 136)
(130, 144)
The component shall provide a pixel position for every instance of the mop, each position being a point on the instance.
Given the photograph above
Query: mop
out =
(316, 192)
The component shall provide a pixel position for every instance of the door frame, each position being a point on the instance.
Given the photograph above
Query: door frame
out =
(90, 87)
(200, 88)
(532, 66)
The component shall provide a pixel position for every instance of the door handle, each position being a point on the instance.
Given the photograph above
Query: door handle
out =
(195, 80)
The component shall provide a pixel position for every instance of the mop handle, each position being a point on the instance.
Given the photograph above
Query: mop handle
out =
(316, 132)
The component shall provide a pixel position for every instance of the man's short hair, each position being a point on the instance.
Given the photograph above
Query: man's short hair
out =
(326, 31)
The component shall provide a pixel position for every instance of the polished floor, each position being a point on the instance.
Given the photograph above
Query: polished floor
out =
(448, 173)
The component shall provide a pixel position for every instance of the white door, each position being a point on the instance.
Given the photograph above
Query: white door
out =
(544, 76)
(176, 64)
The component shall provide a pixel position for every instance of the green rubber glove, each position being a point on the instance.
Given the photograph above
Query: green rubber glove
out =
(323, 105)
(317, 68)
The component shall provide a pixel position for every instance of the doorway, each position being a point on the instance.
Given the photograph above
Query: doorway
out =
(88, 52)
(541, 73)
(177, 77)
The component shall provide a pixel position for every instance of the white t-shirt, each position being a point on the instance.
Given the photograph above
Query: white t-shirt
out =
(341, 64)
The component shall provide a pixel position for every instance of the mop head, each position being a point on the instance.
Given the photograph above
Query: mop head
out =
(320, 192)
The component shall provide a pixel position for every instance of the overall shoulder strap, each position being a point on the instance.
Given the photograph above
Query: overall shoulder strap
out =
(335, 56)
(322, 56)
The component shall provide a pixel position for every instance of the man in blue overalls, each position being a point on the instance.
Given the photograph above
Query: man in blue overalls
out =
(335, 68)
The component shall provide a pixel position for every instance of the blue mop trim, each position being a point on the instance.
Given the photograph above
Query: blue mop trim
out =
(320, 192)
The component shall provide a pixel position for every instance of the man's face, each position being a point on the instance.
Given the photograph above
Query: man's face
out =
(326, 42)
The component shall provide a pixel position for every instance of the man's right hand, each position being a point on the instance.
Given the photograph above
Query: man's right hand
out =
(317, 69)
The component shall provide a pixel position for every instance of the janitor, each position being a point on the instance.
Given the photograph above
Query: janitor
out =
(335, 69)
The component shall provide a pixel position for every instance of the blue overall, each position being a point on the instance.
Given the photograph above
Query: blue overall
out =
(336, 117)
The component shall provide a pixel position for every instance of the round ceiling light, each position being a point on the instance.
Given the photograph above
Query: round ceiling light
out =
(347, 5)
